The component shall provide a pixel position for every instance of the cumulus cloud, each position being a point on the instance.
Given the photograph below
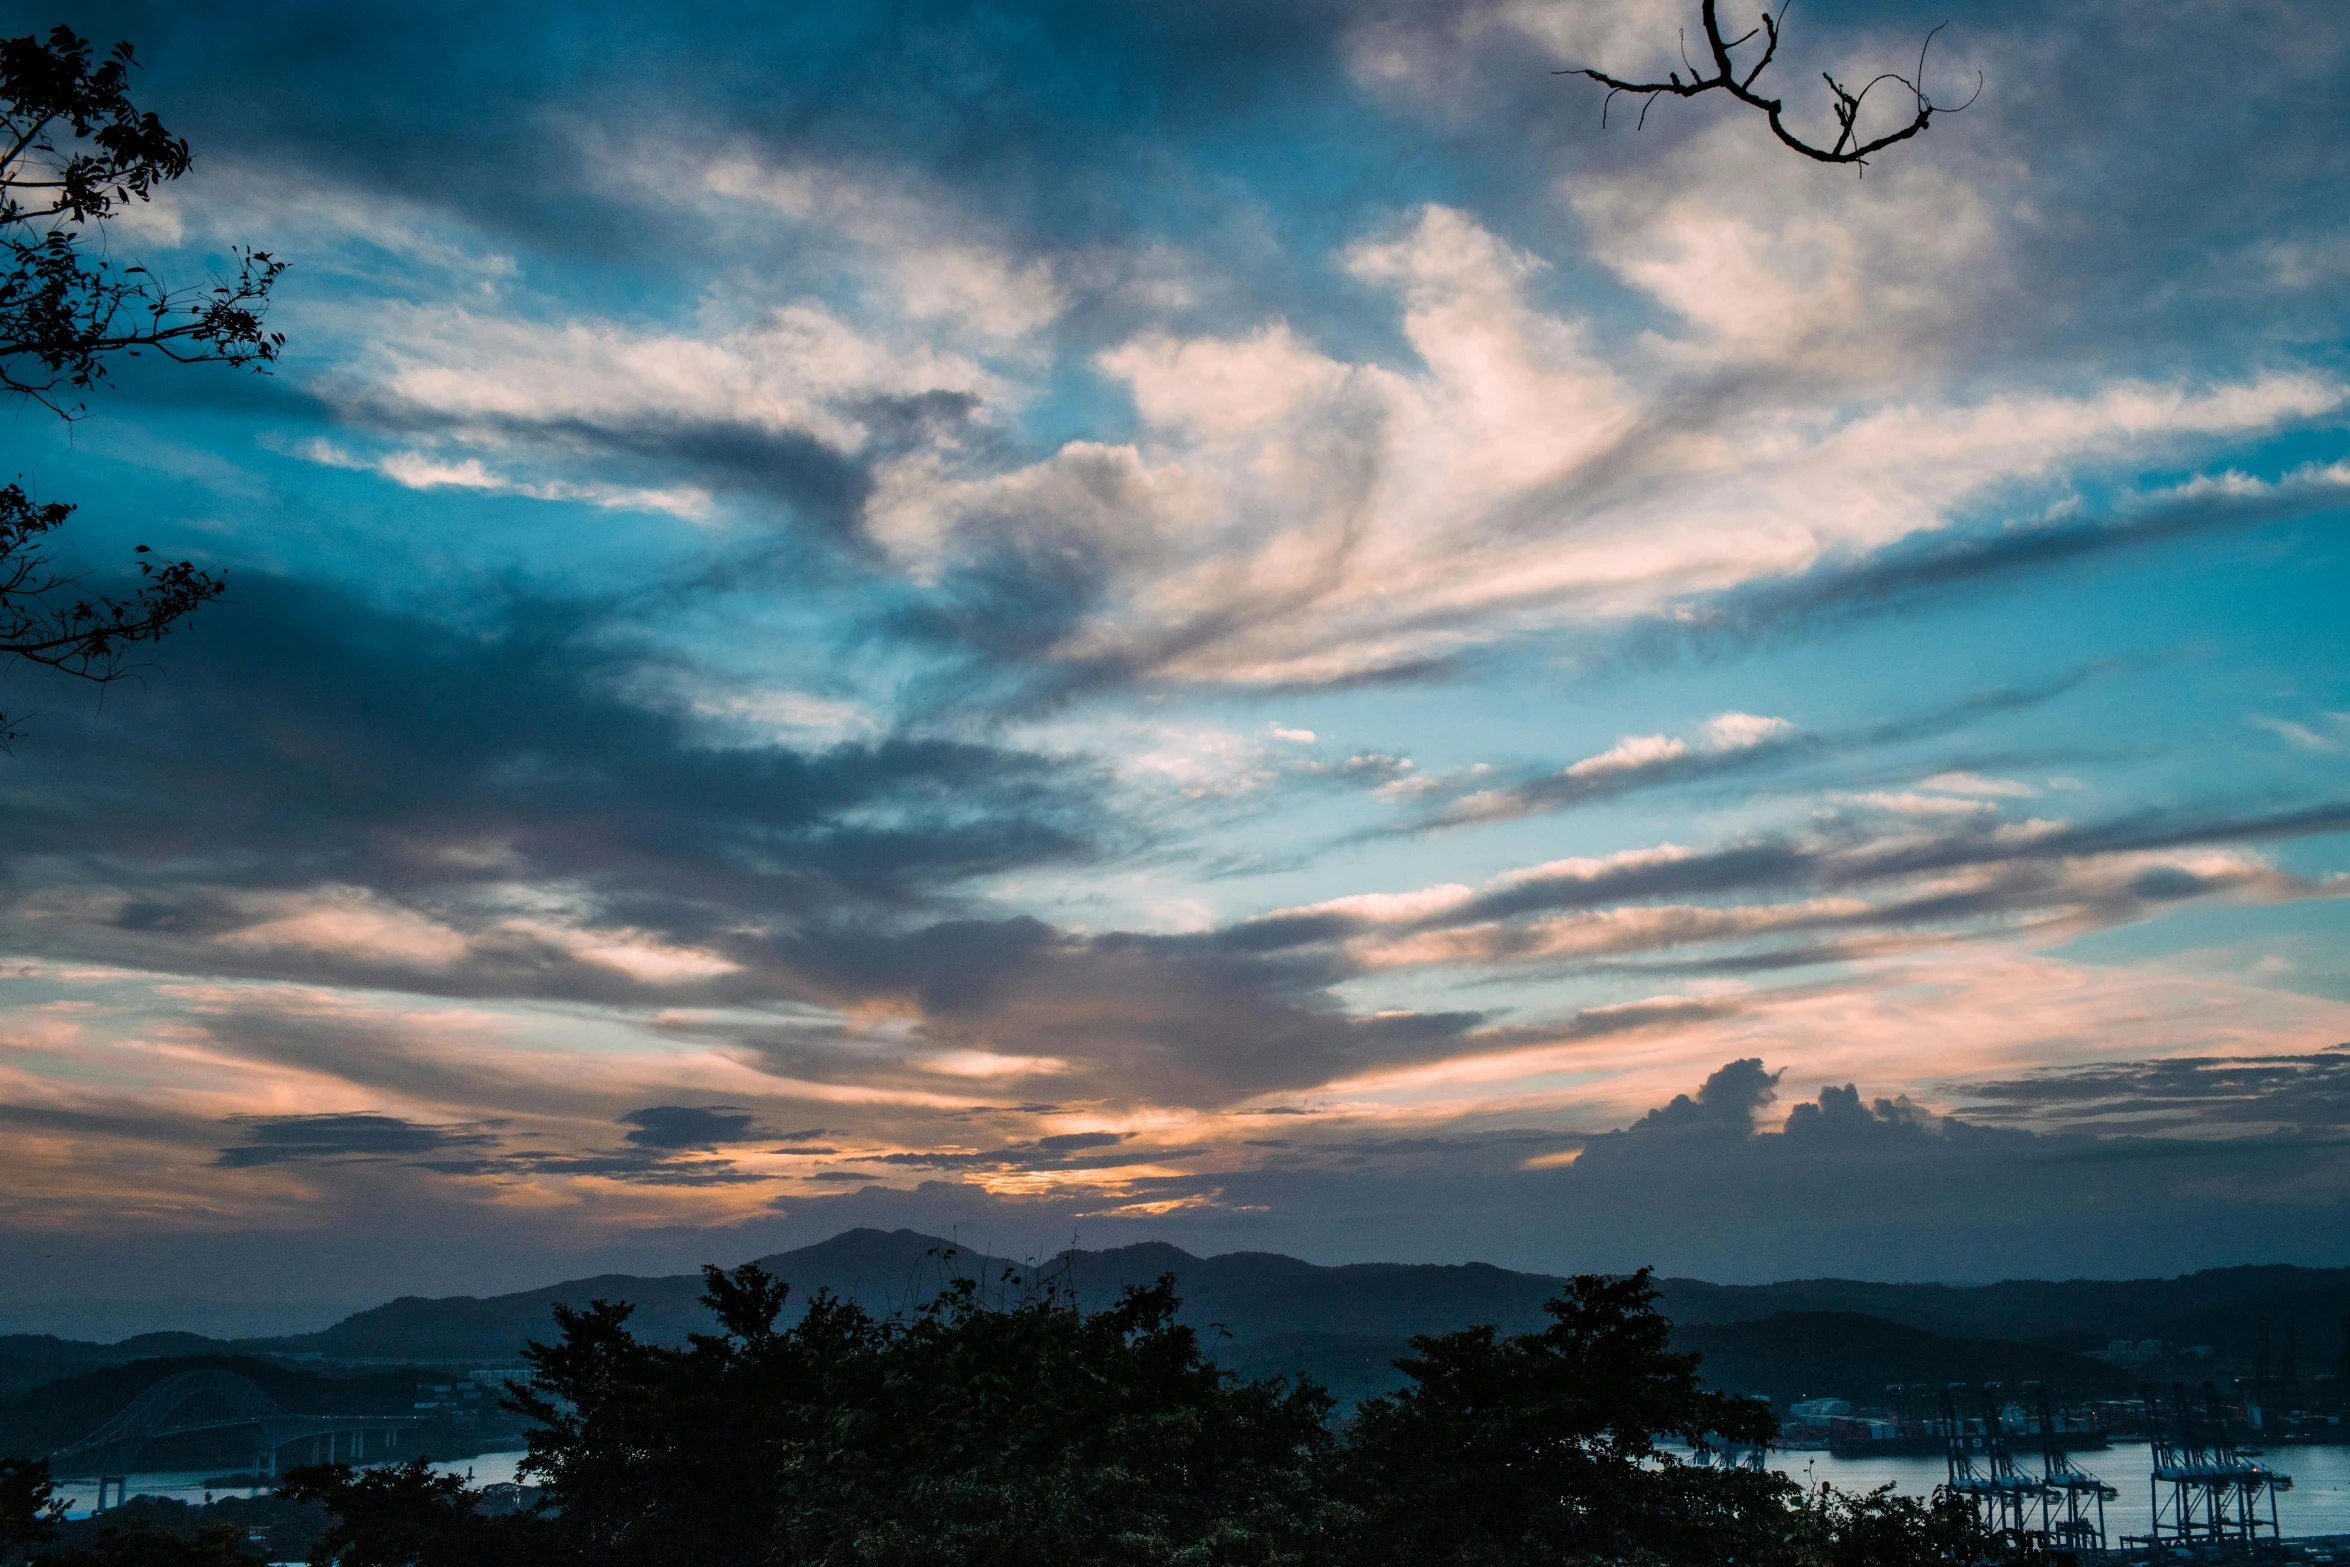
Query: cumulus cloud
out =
(1727, 1103)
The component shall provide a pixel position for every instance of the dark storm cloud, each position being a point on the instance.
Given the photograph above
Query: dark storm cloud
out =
(1002, 611)
(1055, 108)
(2309, 1093)
(427, 766)
(667, 1148)
(282, 1139)
(652, 446)
(1122, 1016)
(306, 739)
(673, 1127)
(1727, 1103)
(127, 1123)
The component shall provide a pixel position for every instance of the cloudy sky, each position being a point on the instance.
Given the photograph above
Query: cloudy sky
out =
(1229, 622)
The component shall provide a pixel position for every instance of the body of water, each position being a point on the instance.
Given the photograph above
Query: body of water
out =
(183, 1485)
(2319, 1502)
(484, 1468)
(188, 1485)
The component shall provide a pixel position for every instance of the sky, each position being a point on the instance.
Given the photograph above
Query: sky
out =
(1231, 623)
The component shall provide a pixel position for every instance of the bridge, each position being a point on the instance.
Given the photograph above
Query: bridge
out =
(194, 1401)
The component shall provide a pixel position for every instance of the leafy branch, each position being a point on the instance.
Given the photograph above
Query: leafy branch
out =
(74, 150)
(47, 618)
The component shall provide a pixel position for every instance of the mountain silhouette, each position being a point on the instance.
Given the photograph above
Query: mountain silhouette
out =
(1261, 1312)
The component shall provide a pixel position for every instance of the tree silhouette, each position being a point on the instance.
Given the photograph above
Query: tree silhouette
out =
(1546, 1447)
(1012, 1427)
(74, 150)
(29, 1506)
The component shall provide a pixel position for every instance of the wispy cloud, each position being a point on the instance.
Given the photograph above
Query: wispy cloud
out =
(2331, 740)
(873, 586)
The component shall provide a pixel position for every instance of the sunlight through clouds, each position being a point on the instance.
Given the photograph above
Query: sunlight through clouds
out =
(1265, 633)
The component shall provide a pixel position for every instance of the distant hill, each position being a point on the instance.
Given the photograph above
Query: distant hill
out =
(2221, 1307)
(1256, 1295)
(29, 1359)
(1251, 1294)
(882, 1270)
(1264, 1312)
(1842, 1354)
(1792, 1355)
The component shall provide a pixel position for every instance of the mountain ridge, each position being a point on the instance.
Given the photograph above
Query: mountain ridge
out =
(1253, 1297)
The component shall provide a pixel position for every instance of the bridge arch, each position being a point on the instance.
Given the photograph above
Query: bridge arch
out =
(207, 1398)
(218, 1400)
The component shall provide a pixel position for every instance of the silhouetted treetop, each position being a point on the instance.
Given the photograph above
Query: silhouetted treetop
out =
(73, 150)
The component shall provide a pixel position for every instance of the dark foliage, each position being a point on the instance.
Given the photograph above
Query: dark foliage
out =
(391, 1517)
(29, 1509)
(1883, 1528)
(217, 1545)
(77, 149)
(48, 617)
(1022, 1429)
(1026, 1430)
(144, 1527)
(73, 149)
(1545, 1447)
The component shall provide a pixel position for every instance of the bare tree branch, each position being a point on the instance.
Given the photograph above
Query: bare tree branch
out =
(1729, 76)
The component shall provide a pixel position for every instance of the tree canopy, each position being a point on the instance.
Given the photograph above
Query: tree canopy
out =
(74, 149)
(1006, 1424)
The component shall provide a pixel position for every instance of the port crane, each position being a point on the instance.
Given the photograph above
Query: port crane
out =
(2063, 1504)
(2205, 1492)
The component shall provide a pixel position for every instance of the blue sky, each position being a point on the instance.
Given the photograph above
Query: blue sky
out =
(1231, 623)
